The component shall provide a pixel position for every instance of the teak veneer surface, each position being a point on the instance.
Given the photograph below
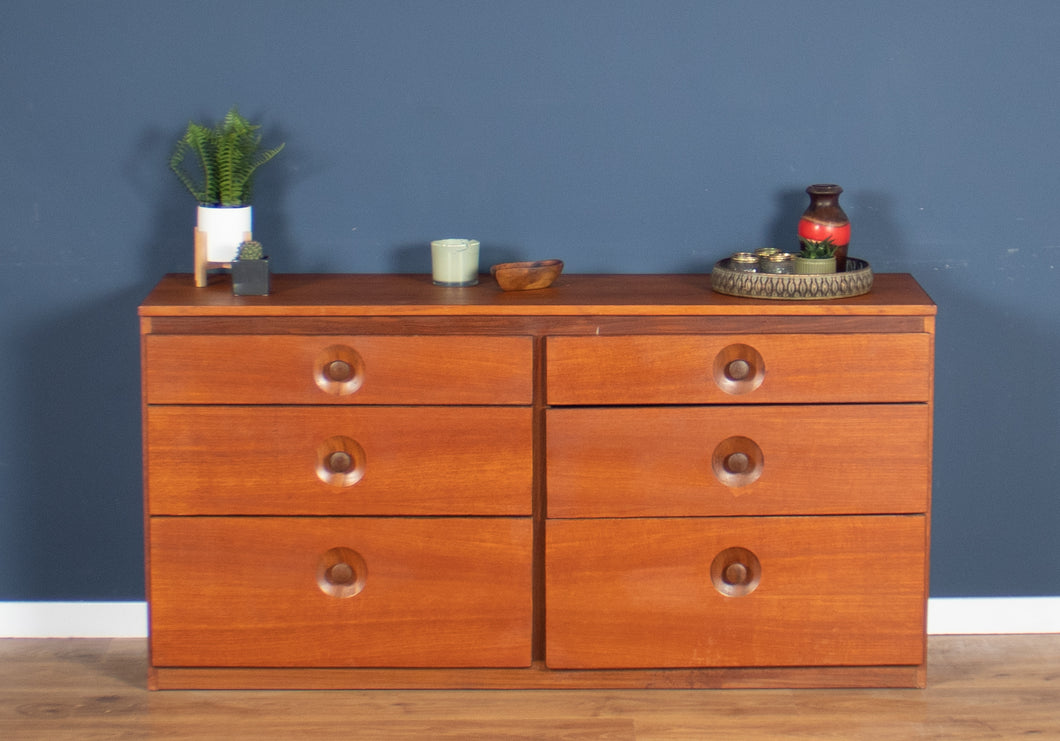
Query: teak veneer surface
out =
(440, 591)
(536, 495)
(657, 462)
(317, 295)
(260, 369)
(205, 460)
(669, 369)
(638, 593)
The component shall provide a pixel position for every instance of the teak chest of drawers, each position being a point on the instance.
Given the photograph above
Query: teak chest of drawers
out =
(619, 481)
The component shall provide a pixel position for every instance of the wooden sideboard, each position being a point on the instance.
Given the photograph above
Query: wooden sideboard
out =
(619, 481)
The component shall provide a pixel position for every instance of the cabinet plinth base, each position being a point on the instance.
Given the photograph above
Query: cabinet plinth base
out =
(540, 677)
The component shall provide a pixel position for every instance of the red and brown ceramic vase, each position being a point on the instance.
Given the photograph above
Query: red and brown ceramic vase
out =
(824, 218)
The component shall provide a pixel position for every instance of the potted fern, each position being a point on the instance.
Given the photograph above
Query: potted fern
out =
(217, 165)
(816, 256)
(250, 270)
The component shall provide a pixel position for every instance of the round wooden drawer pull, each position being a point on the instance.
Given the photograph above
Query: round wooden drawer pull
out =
(339, 370)
(340, 461)
(735, 572)
(341, 572)
(737, 461)
(739, 369)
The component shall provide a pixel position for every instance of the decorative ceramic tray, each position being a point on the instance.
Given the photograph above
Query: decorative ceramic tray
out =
(854, 281)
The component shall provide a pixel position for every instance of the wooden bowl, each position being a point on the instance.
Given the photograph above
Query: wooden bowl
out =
(526, 276)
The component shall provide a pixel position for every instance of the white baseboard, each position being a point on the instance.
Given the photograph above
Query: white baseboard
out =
(981, 615)
(73, 619)
(946, 616)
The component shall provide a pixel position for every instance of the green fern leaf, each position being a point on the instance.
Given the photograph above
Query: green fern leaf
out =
(229, 154)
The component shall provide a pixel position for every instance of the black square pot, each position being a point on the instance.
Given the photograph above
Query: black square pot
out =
(250, 277)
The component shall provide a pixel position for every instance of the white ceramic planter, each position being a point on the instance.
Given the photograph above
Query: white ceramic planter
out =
(225, 229)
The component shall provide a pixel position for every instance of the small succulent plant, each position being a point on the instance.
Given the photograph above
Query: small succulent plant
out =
(817, 250)
(251, 250)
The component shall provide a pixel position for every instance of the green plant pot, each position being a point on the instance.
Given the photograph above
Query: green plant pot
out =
(250, 277)
(814, 265)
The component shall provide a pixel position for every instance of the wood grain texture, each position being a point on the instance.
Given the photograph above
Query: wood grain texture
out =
(893, 294)
(255, 369)
(255, 581)
(821, 369)
(543, 325)
(244, 592)
(539, 677)
(827, 459)
(979, 688)
(639, 593)
(269, 460)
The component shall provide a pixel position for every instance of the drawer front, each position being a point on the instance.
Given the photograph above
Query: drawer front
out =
(733, 369)
(331, 592)
(370, 460)
(295, 369)
(733, 460)
(804, 591)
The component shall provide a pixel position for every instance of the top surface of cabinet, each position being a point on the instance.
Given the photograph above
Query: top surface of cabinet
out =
(323, 295)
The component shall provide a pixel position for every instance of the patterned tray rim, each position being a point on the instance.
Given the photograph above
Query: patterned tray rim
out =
(786, 287)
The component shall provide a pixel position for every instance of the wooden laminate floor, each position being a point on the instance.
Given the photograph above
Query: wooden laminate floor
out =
(979, 687)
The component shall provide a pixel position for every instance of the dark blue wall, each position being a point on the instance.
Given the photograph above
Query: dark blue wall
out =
(621, 136)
